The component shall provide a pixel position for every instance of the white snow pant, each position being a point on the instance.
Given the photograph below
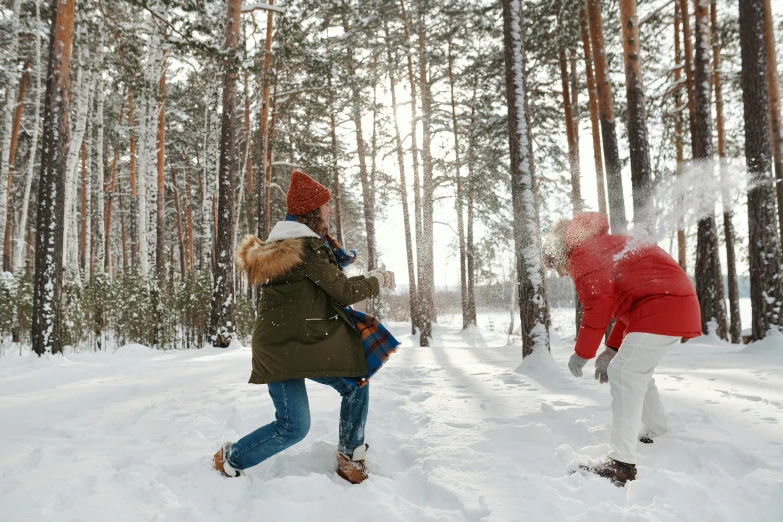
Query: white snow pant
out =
(635, 397)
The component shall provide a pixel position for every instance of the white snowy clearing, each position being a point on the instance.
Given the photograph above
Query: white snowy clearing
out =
(456, 431)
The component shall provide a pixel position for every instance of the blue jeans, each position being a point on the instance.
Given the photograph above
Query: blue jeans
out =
(292, 421)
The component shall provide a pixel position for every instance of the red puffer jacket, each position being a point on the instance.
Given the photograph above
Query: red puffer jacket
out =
(639, 285)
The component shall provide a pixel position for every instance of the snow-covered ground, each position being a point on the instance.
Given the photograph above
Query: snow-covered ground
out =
(458, 431)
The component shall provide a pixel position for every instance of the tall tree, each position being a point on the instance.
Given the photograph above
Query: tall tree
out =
(641, 174)
(774, 107)
(8, 114)
(735, 324)
(223, 320)
(592, 104)
(533, 310)
(458, 182)
(134, 227)
(22, 229)
(263, 185)
(412, 295)
(160, 243)
(98, 181)
(426, 244)
(614, 180)
(361, 151)
(682, 255)
(766, 285)
(709, 278)
(47, 290)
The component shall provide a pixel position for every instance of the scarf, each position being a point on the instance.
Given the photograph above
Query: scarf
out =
(344, 258)
(378, 344)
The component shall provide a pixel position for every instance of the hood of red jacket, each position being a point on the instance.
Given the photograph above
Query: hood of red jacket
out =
(583, 227)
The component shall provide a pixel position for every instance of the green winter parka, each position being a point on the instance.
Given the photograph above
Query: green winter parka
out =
(302, 329)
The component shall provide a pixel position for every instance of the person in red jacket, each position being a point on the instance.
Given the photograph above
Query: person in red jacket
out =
(654, 306)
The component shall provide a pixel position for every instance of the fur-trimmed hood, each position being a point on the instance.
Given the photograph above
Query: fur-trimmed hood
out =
(283, 250)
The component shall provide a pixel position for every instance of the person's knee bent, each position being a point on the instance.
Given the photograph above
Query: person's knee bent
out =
(296, 429)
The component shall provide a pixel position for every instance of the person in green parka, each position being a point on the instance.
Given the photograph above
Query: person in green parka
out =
(302, 331)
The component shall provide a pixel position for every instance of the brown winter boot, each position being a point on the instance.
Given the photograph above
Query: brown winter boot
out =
(352, 468)
(618, 472)
(220, 462)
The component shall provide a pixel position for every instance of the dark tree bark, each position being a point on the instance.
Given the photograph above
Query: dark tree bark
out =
(223, 321)
(533, 310)
(735, 323)
(774, 108)
(614, 180)
(766, 285)
(47, 289)
(641, 174)
(709, 278)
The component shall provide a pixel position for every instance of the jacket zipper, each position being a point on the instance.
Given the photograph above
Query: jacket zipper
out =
(327, 319)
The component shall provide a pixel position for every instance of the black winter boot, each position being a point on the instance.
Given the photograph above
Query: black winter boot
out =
(645, 439)
(618, 472)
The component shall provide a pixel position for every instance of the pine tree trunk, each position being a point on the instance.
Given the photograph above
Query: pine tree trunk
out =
(133, 205)
(190, 258)
(766, 286)
(417, 221)
(735, 323)
(774, 108)
(336, 189)
(533, 308)
(8, 117)
(178, 210)
(356, 114)
(123, 237)
(614, 180)
(98, 181)
(250, 208)
(110, 208)
(593, 107)
(709, 278)
(223, 322)
(469, 247)
(571, 139)
(427, 275)
(460, 221)
(47, 305)
(7, 252)
(160, 243)
(71, 247)
(22, 230)
(682, 252)
(263, 189)
(641, 174)
(412, 295)
(83, 216)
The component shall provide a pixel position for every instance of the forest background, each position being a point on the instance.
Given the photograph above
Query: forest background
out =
(180, 122)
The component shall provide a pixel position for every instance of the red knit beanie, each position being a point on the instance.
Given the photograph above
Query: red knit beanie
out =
(305, 194)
